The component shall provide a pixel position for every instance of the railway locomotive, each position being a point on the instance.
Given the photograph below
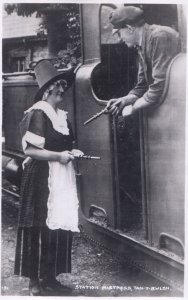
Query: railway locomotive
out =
(132, 199)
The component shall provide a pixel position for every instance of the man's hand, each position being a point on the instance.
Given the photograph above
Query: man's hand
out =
(115, 106)
(139, 104)
(127, 111)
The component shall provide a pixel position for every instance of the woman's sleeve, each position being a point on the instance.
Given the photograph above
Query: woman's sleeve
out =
(35, 132)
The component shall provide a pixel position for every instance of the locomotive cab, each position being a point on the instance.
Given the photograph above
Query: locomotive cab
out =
(132, 194)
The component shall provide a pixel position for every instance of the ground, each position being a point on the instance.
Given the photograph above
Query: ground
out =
(95, 272)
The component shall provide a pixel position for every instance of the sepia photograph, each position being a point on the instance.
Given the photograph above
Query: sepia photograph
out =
(93, 182)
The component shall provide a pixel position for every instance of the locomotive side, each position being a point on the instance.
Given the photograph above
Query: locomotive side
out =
(136, 205)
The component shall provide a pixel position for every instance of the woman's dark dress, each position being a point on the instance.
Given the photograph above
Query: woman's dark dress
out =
(41, 251)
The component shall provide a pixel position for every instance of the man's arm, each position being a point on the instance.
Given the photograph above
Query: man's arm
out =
(141, 86)
(115, 106)
(163, 48)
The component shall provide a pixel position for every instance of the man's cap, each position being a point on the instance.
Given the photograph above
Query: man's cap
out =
(127, 15)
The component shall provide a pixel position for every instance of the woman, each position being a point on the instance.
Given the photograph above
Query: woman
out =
(48, 201)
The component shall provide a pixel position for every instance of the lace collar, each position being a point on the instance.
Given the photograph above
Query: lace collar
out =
(58, 118)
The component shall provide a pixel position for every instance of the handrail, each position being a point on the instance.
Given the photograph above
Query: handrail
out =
(30, 73)
(15, 74)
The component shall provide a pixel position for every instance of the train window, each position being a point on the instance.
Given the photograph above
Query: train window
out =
(112, 78)
(106, 27)
(18, 64)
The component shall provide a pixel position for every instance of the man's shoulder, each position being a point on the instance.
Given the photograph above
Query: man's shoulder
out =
(157, 31)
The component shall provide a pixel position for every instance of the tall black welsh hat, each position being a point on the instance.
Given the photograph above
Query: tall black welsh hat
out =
(46, 74)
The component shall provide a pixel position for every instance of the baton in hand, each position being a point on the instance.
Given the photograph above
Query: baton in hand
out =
(86, 157)
(96, 116)
(82, 156)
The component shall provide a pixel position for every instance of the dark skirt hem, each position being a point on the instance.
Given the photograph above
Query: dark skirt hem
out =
(41, 252)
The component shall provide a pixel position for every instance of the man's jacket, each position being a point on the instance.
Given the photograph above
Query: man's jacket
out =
(159, 45)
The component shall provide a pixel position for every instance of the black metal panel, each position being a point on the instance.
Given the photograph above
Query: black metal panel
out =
(18, 95)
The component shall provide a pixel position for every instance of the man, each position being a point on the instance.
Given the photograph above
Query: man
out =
(156, 45)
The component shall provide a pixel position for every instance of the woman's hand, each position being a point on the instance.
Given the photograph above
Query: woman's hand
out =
(65, 157)
(77, 153)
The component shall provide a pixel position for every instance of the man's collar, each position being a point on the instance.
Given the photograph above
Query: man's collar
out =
(143, 36)
(138, 46)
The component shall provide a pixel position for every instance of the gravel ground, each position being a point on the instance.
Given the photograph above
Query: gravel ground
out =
(94, 271)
